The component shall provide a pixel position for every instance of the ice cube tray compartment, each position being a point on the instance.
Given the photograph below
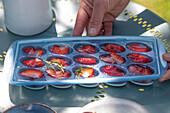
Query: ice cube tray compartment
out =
(76, 42)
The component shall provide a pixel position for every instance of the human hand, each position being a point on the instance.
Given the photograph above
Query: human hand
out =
(166, 57)
(98, 15)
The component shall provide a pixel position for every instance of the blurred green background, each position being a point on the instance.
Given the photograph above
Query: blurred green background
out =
(159, 7)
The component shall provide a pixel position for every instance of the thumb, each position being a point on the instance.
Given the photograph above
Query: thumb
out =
(96, 19)
(165, 77)
(166, 56)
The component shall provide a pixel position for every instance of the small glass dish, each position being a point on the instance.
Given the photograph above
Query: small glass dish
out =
(30, 108)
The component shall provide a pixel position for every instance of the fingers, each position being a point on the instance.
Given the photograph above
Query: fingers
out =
(81, 21)
(166, 56)
(165, 77)
(108, 28)
(96, 19)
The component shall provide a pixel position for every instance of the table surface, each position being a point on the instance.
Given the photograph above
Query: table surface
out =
(138, 22)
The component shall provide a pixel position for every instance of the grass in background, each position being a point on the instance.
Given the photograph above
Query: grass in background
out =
(159, 7)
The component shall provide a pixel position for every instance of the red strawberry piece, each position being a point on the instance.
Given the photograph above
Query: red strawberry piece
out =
(113, 59)
(39, 63)
(32, 51)
(118, 59)
(138, 58)
(139, 48)
(30, 62)
(60, 49)
(58, 74)
(87, 61)
(29, 50)
(113, 71)
(87, 72)
(87, 49)
(34, 62)
(38, 52)
(113, 48)
(108, 59)
(140, 70)
(32, 74)
(61, 61)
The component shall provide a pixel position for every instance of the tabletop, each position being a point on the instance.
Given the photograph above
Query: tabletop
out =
(134, 20)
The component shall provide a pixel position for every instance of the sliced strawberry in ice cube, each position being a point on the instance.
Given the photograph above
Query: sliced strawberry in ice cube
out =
(138, 58)
(60, 61)
(139, 48)
(87, 61)
(60, 49)
(113, 48)
(140, 70)
(113, 58)
(33, 62)
(108, 59)
(113, 71)
(29, 50)
(118, 59)
(38, 52)
(32, 51)
(58, 74)
(87, 49)
(32, 74)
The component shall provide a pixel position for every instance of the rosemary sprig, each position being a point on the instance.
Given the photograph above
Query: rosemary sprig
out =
(60, 67)
(79, 71)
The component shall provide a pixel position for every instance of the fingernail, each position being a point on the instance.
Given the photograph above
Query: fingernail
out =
(92, 31)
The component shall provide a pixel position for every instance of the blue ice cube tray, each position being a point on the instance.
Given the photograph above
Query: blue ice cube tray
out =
(13, 61)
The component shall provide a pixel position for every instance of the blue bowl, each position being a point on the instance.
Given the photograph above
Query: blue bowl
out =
(30, 108)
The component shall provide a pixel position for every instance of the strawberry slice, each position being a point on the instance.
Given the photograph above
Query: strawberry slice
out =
(87, 49)
(138, 58)
(113, 71)
(140, 70)
(30, 62)
(108, 59)
(87, 72)
(32, 74)
(29, 50)
(61, 61)
(32, 51)
(118, 59)
(60, 49)
(139, 48)
(38, 52)
(39, 63)
(87, 61)
(33, 62)
(113, 59)
(113, 48)
(58, 74)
